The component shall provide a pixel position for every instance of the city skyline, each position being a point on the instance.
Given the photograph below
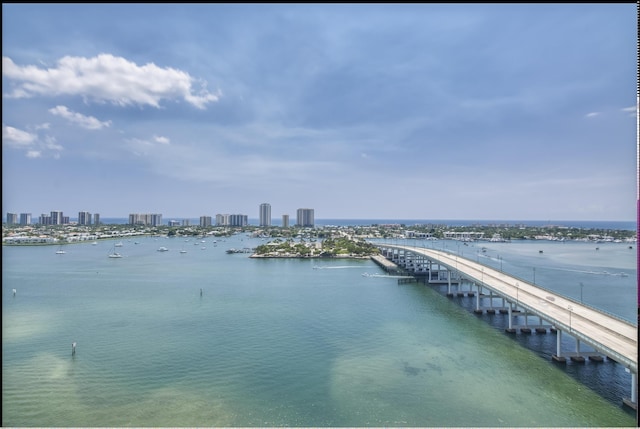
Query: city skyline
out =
(412, 111)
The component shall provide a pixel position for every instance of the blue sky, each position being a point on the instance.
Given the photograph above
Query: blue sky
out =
(396, 111)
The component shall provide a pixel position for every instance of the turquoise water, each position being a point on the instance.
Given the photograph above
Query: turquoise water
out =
(275, 342)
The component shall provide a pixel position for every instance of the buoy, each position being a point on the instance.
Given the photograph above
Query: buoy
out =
(73, 348)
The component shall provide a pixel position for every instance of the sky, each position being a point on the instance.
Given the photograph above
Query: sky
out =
(359, 111)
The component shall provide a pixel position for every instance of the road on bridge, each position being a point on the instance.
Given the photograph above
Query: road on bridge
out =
(612, 336)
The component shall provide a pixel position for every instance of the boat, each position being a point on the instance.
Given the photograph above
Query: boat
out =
(183, 251)
(163, 249)
(60, 251)
(119, 244)
(114, 254)
(95, 243)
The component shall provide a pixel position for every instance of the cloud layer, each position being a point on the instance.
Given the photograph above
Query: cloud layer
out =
(107, 78)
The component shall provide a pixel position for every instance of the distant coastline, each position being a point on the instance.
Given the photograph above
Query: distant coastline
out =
(630, 225)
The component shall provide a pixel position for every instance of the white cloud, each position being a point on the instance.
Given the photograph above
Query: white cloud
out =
(88, 122)
(16, 138)
(592, 114)
(632, 110)
(51, 144)
(161, 139)
(34, 154)
(106, 78)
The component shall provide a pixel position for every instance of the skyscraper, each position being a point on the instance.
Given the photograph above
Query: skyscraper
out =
(56, 218)
(265, 214)
(285, 221)
(25, 218)
(12, 218)
(305, 218)
(84, 218)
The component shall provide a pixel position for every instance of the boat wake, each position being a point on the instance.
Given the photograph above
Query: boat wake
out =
(601, 273)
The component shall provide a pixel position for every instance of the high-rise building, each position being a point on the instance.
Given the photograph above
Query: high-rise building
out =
(145, 219)
(265, 214)
(205, 220)
(285, 221)
(84, 218)
(56, 218)
(12, 218)
(305, 218)
(44, 219)
(238, 220)
(25, 218)
(222, 219)
(96, 219)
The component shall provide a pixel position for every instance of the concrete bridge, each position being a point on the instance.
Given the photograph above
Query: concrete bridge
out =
(609, 335)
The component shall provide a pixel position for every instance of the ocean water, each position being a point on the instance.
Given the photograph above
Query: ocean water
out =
(205, 338)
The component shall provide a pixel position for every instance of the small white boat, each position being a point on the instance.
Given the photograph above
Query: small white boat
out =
(183, 251)
(119, 244)
(60, 251)
(95, 243)
(163, 249)
(114, 254)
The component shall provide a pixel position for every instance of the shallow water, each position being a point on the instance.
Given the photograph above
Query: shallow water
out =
(274, 342)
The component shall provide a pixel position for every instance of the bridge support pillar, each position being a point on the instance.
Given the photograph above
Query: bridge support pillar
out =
(510, 316)
(526, 329)
(449, 293)
(632, 402)
(558, 356)
(478, 310)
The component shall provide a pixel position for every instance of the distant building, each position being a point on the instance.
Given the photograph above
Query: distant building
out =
(84, 218)
(12, 218)
(186, 222)
(44, 219)
(285, 221)
(305, 218)
(96, 219)
(56, 218)
(25, 218)
(222, 219)
(265, 214)
(238, 220)
(232, 220)
(205, 221)
(174, 223)
(147, 219)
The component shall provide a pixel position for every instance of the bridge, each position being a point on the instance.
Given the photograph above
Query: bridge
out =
(609, 335)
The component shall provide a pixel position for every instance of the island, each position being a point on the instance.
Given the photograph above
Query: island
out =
(339, 247)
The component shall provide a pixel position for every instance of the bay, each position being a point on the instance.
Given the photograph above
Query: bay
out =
(275, 342)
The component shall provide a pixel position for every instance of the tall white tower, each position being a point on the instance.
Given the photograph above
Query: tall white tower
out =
(265, 214)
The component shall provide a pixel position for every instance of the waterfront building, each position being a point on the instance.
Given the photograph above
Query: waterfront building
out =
(44, 219)
(84, 218)
(206, 221)
(12, 218)
(96, 219)
(147, 219)
(25, 218)
(56, 218)
(222, 219)
(187, 222)
(238, 220)
(305, 218)
(265, 214)
(285, 221)
(174, 222)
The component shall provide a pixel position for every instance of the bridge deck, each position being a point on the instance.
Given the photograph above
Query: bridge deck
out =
(608, 334)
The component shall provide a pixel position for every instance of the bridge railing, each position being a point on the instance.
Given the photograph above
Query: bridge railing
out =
(615, 316)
